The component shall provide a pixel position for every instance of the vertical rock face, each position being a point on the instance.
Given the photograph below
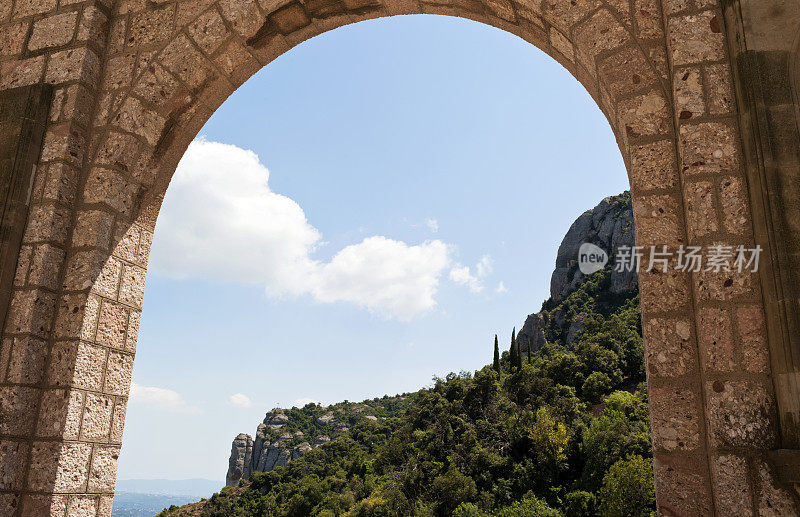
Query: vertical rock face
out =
(270, 449)
(239, 462)
(609, 226)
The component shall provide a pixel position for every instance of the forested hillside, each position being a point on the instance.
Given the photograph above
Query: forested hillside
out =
(563, 431)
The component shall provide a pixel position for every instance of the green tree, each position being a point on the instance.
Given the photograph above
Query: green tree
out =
(514, 353)
(496, 361)
(628, 489)
(579, 504)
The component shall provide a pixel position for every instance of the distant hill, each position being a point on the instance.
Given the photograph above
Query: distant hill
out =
(180, 487)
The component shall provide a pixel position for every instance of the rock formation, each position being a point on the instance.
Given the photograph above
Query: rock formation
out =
(609, 226)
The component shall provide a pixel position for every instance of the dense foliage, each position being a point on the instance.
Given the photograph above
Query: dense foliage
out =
(564, 432)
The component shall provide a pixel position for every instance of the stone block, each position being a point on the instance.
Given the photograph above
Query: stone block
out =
(31, 312)
(701, 213)
(59, 467)
(735, 213)
(151, 26)
(676, 419)
(26, 362)
(103, 473)
(78, 64)
(18, 405)
(118, 373)
(683, 487)
(97, 417)
(645, 115)
(626, 72)
(23, 8)
(695, 38)
(53, 31)
(77, 364)
(670, 350)
(112, 325)
(209, 31)
(753, 338)
(657, 220)
(21, 72)
(710, 147)
(732, 491)
(717, 350)
(132, 286)
(60, 415)
(92, 229)
(739, 414)
(13, 456)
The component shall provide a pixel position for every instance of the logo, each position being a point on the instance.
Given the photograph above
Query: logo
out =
(591, 258)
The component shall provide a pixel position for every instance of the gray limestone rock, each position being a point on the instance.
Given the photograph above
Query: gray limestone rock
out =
(239, 462)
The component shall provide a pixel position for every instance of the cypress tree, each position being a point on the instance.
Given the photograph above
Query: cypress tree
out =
(496, 361)
(516, 357)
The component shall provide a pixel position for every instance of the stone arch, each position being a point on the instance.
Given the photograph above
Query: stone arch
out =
(135, 81)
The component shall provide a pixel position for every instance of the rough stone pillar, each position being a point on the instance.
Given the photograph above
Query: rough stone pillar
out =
(56, 440)
(764, 36)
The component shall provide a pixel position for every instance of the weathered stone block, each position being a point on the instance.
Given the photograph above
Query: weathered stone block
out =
(59, 467)
(23, 8)
(731, 488)
(112, 325)
(676, 419)
(53, 31)
(60, 415)
(26, 362)
(752, 333)
(657, 220)
(695, 38)
(13, 455)
(97, 417)
(102, 476)
(118, 373)
(77, 364)
(209, 31)
(654, 166)
(670, 347)
(18, 406)
(709, 147)
(131, 289)
(717, 351)
(683, 487)
(701, 213)
(739, 414)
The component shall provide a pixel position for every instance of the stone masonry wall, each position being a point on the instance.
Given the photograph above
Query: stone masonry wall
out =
(134, 82)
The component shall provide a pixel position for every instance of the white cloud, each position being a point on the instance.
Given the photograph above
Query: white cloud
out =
(240, 400)
(161, 398)
(432, 224)
(485, 266)
(303, 401)
(501, 288)
(221, 221)
(463, 274)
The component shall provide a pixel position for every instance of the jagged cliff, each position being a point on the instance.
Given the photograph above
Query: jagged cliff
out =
(609, 225)
(286, 434)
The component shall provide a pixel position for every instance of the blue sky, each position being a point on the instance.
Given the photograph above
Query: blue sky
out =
(364, 213)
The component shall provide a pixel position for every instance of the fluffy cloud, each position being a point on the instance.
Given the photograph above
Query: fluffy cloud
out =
(463, 274)
(221, 221)
(240, 400)
(161, 398)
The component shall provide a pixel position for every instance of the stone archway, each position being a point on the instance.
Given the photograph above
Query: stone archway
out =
(134, 81)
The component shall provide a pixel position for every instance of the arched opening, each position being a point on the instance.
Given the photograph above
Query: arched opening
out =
(392, 144)
(661, 76)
